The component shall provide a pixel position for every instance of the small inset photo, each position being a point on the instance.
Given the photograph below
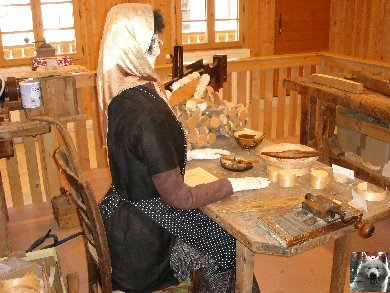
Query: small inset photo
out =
(370, 272)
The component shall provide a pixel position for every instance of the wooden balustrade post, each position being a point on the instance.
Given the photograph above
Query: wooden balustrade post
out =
(5, 247)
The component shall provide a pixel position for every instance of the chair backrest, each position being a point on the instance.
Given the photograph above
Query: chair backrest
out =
(98, 256)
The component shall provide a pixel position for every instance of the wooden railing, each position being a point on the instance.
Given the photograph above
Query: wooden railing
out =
(254, 82)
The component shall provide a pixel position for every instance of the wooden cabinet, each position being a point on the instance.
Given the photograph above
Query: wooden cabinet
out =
(301, 26)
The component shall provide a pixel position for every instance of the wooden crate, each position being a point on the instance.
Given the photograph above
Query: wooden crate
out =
(47, 258)
(65, 212)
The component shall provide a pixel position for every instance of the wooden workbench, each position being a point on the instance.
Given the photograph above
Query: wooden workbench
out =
(251, 236)
(318, 121)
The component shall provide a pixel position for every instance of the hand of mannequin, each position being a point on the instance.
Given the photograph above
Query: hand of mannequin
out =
(248, 183)
(206, 154)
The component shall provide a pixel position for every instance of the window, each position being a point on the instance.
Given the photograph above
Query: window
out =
(209, 23)
(24, 24)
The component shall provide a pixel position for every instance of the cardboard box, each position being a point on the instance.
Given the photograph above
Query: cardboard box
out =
(47, 258)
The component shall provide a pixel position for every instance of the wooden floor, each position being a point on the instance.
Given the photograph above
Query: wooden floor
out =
(308, 272)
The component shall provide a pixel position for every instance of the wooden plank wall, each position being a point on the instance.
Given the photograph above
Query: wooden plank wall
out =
(258, 23)
(360, 28)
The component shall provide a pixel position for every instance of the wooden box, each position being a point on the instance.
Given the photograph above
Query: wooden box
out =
(363, 135)
(47, 258)
(65, 212)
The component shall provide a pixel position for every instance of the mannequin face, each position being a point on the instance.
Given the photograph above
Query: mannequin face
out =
(154, 50)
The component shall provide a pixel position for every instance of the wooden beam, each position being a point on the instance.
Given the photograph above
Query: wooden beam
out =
(341, 257)
(338, 83)
(363, 127)
(377, 84)
(244, 268)
(18, 129)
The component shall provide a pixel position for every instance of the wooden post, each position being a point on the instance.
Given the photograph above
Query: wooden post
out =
(32, 165)
(177, 68)
(326, 119)
(81, 134)
(293, 105)
(305, 119)
(341, 258)
(268, 96)
(312, 122)
(244, 268)
(50, 173)
(101, 154)
(5, 247)
(14, 181)
(281, 104)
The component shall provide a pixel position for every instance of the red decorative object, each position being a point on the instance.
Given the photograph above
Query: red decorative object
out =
(54, 61)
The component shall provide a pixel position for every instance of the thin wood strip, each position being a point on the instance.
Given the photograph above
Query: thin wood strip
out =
(14, 181)
(32, 166)
(339, 83)
(281, 108)
(101, 155)
(293, 105)
(261, 205)
(268, 96)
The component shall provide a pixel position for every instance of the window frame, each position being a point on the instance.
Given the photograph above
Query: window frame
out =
(210, 18)
(39, 35)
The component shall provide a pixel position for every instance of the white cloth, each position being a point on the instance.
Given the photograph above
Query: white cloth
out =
(206, 154)
(248, 183)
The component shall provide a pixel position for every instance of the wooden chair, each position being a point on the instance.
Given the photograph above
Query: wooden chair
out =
(98, 256)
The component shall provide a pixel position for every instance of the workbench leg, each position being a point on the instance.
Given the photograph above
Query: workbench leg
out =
(341, 259)
(244, 268)
(305, 119)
